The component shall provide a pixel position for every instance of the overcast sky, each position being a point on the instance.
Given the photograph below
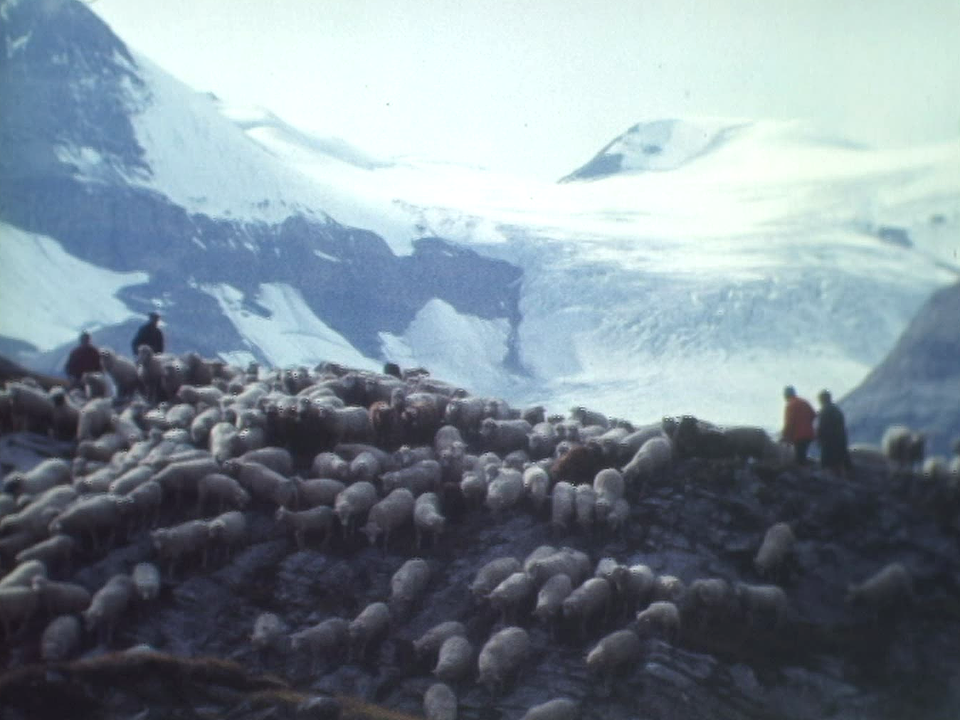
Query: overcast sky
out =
(537, 87)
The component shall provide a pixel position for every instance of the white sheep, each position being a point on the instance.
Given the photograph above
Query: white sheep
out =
(220, 491)
(122, 371)
(504, 436)
(203, 423)
(23, 574)
(536, 485)
(93, 515)
(200, 395)
(473, 487)
(775, 549)
(587, 417)
(669, 588)
(321, 640)
(226, 532)
(130, 480)
(501, 656)
(318, 491)
(17, 605)
(61, 598)
(428, 645)
(587, 603)
(614, 652)
(353, 503)
(141, 506)
(96, 418)
(505, 490)
(454, 659)
(889, 587)
(60, 639)
(542, 440)
(316, 521)
(562, 506)
(367, 629)
(409, 582)
(551, 596)
(329, 465)
(650, 462)
(107, 605)
(439, 703)
(573, 563)
(181, 478)
(710, 601)
(265, 484)
(512, 595)
(43, 476)
(389, 515)
(174, 543)
(146, 581)
(764, 606)
(269, 633)
(556, 709)
(428, 519)
(53, 551)
(584, 504)
(492, 574)
(423, 476)
(30, 406)
(660, 619)
(902, 446)
(637, 586)
(223, 441)
(609, 486)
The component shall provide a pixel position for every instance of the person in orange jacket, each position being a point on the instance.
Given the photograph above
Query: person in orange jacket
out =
(798, 417)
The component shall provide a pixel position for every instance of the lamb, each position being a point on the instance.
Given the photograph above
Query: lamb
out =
(556, 709)
(650, 462)
(660, 619)
(551, 596)
(265, 484)
(43, 476)
(94, 515)
(887, 589)
(321, 640)
(318, 491)
(505, 491)
(764, 606)
(107, 605)
(439, 703)
(313, 521)
(269, 633)
(584, 504)
(53, 551)
(22, 575)
(428, 645)
(504, 436)
(221, 491)
(492, 574)
(427, 517)
(562, 506)
(512, 595)
(368, 629)
(409, 582)
(536, 485)
(454, 659)
(353, 503)
(502, 656)
(902, 446)
(775, 549)
(224, 441)
(60, 639)
(96, 418)
(17, 605)
(175, 542)
(609, 487)
(614, 652)
(146, 581)
(587, 603)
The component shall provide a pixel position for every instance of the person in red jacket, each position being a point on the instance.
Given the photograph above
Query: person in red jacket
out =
(83, 358)
(798, 418)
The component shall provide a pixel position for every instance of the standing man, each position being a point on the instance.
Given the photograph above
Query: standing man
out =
(83, 358)
(832, 436)
(798, 418)
(149, 334)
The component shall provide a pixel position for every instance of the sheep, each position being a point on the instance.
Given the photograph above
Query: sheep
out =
(556, 709)
(660, 619)
(224, 441)
(427, 517)
(200, 395)
(43, 476)
(96, 418)
(222, 491)
(587, 603)
(269, 633)
(609, 487)
(146, 581)
(576, 464)
(584, 504)
(637, 586)
(408, 583)
(349, 424)
(22, 575)
(313, 521)
(421, 477)
(53, 551)
(107, 605)
(573, 563)
(492, 574)
(103, 448)
(710, 601)
(353, 503)
(321, 640)
(650, 462)
(226, 531)
(60, 598)
(763, 606)
(182, 477)
(17, 605)
(562, 506)
(141, 506)
(428, 645)
(608, 443)
(130, 480)
(512, 595)
(94, 515)
(66, 415)
(775, 549)
(614, 652)
(173, 543)
(504, 436)
(276, 458)
(203, 423)
(618, 515)
(367, 629)
(31, 408)
(505, 490)
(669, 588)
(454, 659)
(473, 487)
(551, 596)
(902, 446)
(439, 703)
(888, 588)
(60, 639)
(329, 465)
(318, 491)
(265, 484)
(536, 486)
(542, 440)
(501, 656)
(421, 415)
(633, 441)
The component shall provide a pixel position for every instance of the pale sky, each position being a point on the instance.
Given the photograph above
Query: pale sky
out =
(537, 87)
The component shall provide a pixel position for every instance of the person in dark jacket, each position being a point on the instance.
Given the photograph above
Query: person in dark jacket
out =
(832, 436)
(83, 358)
(798, 417)
(149, 334)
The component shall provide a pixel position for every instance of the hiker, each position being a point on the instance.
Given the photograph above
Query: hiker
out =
(83, 358)
(798, 417)
(149, 334)
(832, 436)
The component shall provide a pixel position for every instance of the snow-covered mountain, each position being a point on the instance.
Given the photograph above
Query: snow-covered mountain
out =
(693, 266)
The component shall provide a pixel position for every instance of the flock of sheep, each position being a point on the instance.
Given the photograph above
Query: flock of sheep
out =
(189, 450)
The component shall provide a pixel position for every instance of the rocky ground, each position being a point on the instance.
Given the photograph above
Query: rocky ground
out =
(701, 519)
